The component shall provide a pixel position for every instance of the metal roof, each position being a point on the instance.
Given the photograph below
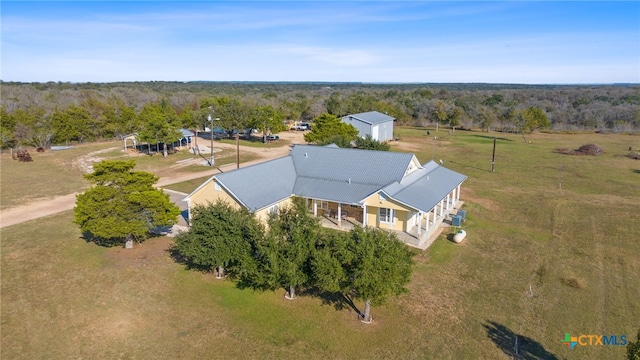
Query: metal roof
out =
(336, 191)
(371, 117)
(424, 188)
(340, 175)
(343, 165)
(261, 185)
(187, 132)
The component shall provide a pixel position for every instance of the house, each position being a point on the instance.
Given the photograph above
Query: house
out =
(346, 187)
(378, 125)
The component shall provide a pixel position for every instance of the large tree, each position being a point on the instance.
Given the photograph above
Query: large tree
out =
(331, 262)
(33, 127)
(268, 120)
(327, 126)
(221, 238)
(294, 231)
(72, 124)
(160, 124)
(122, 205)
(530, 119)
(233, 115)
(7, 126)
(380, 266)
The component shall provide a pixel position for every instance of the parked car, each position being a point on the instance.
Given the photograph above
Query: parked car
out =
(273, 137)
(300, 127)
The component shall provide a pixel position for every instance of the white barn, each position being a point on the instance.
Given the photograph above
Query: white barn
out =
(378, 125)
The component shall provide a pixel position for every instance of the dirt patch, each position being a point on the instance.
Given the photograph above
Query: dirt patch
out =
(588, 149)
(85, 162)
(406, 146)
(468, 194)
(147, 253)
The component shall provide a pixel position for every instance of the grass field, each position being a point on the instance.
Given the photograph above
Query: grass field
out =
(54, 173)
(552, 247)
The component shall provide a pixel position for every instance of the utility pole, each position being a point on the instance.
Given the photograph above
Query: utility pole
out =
(493, 157)
(237, 151)
(211, 159)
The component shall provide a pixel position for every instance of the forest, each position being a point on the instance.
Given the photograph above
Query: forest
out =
(45, 114)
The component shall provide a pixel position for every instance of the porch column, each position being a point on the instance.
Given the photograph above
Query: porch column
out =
(419, 222)
(428, 215)
(453, 197)
(315, 207)
(364, 215)
(458, 192)
(339, 214)
(448, 202)
(441, 207)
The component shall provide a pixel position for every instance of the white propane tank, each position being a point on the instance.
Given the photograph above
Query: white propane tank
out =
(457, 238)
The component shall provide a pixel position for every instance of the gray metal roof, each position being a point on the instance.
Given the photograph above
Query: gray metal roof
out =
(336, 191)
(187, 132)
(261, 185)
(372, 117)
(424, 188)
(341, 175)
(360, 166)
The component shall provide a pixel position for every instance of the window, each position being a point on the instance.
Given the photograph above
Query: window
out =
(324, 205)
(216, 186)
(386, 215)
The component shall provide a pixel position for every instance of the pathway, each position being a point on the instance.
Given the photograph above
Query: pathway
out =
(58, 204)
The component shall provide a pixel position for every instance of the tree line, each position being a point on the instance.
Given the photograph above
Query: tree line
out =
(294, 252)
(38, 114)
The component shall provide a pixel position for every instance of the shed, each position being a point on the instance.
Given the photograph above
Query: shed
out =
(376, 124)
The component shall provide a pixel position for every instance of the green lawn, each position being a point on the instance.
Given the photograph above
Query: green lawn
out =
(552, 247)
(187, 186)
(50, 174)
(55, 173)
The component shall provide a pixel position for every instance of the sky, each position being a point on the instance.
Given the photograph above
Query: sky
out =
(529, 42)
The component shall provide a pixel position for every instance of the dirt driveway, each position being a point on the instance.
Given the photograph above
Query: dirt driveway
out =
(38, 209)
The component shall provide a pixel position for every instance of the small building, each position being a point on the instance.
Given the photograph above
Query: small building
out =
(187, 135)
(378, 125)
(346, 187)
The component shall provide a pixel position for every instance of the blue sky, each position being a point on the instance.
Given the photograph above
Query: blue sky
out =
(531, 42)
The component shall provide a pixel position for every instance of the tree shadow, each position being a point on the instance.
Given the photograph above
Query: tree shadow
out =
(492, 137)
(178, 258)
(637, 171)
(524, 348)
(112, 242)
(338, 300)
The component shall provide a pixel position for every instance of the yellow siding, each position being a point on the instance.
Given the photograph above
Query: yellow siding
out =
(263, 214)
(208, 194)
(374, 202)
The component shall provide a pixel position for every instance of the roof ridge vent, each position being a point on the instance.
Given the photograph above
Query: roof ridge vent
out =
(349, 181)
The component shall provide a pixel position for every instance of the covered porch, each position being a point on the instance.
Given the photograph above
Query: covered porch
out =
(420, 239)
(414, 227)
